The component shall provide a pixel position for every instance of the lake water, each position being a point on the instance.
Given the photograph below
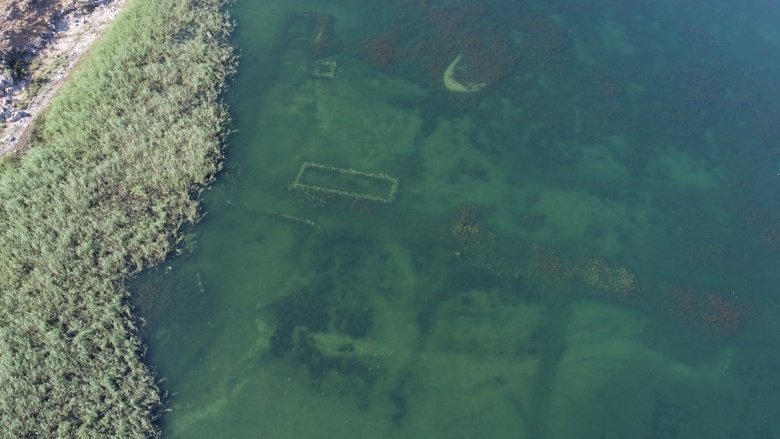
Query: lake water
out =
(504, 219)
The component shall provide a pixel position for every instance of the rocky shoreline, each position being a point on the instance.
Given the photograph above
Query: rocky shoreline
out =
(35, 63)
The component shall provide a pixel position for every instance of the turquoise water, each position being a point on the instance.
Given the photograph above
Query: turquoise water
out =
(581, 240)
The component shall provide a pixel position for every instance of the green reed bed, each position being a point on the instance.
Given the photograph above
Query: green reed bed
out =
(117, 158)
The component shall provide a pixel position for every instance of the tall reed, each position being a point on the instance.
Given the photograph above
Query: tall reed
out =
(118, 159)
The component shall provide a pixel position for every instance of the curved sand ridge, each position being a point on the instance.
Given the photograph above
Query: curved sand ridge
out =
(453, 85)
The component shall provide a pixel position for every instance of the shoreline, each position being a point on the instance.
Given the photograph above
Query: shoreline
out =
(74, 34)
(102, 196)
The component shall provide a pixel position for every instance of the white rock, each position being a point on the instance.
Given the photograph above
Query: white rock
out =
(19, 115)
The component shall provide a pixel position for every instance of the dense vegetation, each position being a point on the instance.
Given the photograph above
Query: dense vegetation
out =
(118, 156)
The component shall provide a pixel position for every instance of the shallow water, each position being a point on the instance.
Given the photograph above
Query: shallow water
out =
(585, 247)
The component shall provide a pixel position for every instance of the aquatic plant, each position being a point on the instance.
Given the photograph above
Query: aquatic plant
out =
(110, 180)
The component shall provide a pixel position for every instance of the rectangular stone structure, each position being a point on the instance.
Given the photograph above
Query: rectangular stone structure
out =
(348, 183)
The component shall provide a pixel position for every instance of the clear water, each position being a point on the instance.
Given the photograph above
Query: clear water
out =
(585, 247)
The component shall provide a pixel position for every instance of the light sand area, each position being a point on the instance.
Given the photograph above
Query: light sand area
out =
(76, 32)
